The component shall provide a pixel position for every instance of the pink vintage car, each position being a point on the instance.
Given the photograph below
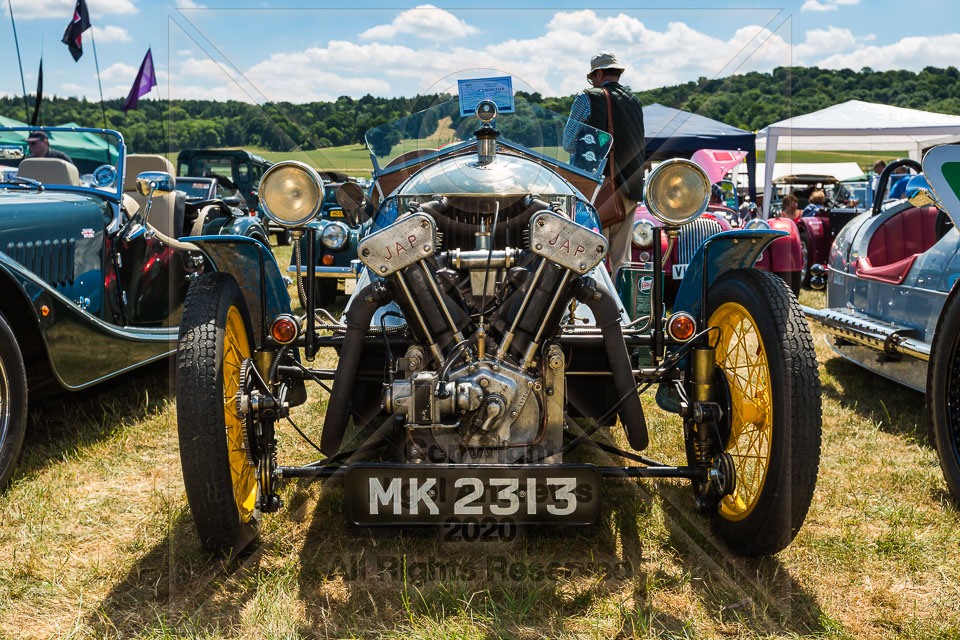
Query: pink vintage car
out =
(785, 256)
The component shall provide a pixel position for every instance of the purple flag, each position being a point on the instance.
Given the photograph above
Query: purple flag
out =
(146, 80)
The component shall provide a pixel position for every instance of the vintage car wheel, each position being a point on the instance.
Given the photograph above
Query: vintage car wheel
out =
(794, 280)
(221, 485)
(765, 351)
(326, 292)
(943, 393)
(284, 238)
(13, 401)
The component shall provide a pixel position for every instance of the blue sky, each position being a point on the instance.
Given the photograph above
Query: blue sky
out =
(298, 51)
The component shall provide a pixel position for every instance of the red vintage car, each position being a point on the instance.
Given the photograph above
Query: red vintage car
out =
(785, 256)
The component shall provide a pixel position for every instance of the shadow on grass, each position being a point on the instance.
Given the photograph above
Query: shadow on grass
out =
(896, 409)
(430, 582)
(176, 587)
(64, 422)
(758, 594)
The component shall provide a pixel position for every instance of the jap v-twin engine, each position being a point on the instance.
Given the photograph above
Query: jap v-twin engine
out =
(484, 377)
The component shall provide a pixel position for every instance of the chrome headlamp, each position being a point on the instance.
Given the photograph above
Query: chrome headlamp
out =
(334, 235)
(291, 193)
(677, 192)
(643, 233)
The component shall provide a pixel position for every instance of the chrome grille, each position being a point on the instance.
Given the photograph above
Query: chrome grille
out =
(692, 236)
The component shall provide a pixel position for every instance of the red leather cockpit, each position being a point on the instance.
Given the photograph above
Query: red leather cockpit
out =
(897, 243)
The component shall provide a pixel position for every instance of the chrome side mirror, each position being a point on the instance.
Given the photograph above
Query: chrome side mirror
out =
(350, 196)
(155, 183)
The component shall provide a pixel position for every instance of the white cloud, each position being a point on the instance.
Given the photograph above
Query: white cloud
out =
(425, 21)
(826, 5)
(190, 4)
(912, 53)
(111, 33)
(63, 9)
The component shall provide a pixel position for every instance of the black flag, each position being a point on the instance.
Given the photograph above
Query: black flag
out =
(79, 24)
(35, 120)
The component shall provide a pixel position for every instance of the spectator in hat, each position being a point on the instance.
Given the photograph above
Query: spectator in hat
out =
(40, 147)
(590, 107)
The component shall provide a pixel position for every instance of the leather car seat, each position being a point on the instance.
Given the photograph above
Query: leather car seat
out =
(50, 171)
(896, 244)
(167, 211)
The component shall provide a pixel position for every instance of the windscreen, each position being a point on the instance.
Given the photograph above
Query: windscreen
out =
(95, 154)
(532, 127)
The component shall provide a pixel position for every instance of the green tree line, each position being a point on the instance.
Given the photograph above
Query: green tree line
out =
(749, 101)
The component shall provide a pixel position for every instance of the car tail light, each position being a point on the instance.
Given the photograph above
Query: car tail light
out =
(328, 259)
(681, 326)
(284, 329)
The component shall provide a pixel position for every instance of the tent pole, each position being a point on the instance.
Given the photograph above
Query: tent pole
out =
(16, 41)
(769, 161)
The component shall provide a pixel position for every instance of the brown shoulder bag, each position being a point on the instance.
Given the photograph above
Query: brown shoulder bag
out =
(608, 202)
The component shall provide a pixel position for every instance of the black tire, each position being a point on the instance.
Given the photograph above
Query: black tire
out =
(13, 401)
(326, 292)
(793, 280)
(769, 505)
(284, 238)
(943, 393)
(215, 335)
(807, 253)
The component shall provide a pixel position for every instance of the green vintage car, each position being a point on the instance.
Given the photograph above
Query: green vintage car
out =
(91, 283)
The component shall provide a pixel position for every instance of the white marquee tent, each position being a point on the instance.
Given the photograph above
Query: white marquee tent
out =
(856, 125)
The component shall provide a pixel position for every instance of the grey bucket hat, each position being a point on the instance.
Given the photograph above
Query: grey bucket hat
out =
(604, 61)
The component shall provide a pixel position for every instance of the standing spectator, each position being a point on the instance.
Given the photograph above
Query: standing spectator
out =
(590, 107)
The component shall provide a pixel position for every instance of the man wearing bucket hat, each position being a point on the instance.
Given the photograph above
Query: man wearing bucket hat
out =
(40, 147)
(624, 120)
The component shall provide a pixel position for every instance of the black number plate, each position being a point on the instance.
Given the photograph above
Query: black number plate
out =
(430, 494)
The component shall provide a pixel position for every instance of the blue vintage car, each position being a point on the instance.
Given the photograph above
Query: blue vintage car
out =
(335, 240)
(92, 285)
(485, 340)
(893, 305)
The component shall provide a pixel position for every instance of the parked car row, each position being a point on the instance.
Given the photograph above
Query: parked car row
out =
(482, 336)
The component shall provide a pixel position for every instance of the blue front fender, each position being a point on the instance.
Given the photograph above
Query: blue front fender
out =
(256, 271)
(724, 252)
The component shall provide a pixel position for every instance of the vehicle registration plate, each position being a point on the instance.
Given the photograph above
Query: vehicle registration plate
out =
(336, 213)
(678, 271)
(432, 494)
(349, 286)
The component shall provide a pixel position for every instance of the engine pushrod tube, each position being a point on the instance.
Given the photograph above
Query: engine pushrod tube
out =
(533, 346)
(508, 339)
(443, 305)
(416, 311)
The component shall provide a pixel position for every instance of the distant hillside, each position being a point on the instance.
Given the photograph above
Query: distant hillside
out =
(750, 101)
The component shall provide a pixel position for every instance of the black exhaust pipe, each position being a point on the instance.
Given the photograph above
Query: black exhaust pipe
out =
(368, 300)
(606, 310)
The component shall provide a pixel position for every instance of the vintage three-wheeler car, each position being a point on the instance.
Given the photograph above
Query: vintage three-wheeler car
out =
(91, 285)
(893, 305)
(485, 341)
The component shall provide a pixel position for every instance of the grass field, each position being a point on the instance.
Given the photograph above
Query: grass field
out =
(96, 541)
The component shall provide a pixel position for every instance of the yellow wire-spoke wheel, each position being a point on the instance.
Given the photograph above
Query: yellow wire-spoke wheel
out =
(742, 358)
(765, 353)
(236, 349)
(221, 486)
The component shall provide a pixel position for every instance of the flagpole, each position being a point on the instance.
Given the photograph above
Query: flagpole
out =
(97, 63)
(23, 85)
